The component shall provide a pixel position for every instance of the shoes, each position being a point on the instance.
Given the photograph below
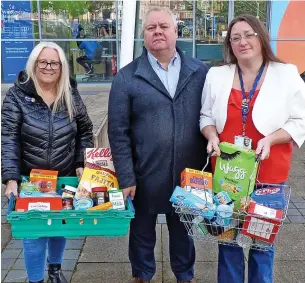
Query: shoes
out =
(36, 281)
(55, 274)
(139, 280)
(187, 281)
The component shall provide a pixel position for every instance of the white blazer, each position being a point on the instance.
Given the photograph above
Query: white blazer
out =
(280, 103)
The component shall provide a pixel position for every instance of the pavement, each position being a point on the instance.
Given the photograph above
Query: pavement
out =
(105, 260)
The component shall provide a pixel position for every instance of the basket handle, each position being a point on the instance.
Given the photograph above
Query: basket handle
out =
(11, 203)
(129, 201)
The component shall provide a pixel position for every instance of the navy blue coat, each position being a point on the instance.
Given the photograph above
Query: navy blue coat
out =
(153, 136)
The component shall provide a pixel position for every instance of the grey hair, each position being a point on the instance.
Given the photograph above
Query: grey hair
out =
(64, 95)
(160, 9)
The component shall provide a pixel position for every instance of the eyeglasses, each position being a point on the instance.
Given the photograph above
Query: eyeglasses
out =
(247, 37)
(42, 64)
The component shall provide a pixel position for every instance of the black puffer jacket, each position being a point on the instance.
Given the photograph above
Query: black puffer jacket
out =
(32, 136)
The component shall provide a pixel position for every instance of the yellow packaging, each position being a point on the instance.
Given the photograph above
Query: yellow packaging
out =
(46, 179)
(95, 176)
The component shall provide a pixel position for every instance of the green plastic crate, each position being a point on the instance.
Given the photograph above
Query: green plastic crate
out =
(70, 223)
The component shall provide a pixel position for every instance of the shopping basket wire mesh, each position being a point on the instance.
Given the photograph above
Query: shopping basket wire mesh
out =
(255, 227)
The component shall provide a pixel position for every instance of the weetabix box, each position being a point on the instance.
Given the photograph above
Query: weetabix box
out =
(100, 156)
(196, 179)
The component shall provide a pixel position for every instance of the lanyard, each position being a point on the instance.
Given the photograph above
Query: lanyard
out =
(246, 101)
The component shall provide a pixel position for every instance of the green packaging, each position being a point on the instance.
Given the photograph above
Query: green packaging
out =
(235, 172)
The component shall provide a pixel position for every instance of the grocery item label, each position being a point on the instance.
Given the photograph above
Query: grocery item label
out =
(100, 156)
(260, 228)
(41, 206)
(265, 211)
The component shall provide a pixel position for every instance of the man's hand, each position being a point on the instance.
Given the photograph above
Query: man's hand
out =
(11, 187)
(129, 191)
(213, 145)
(79, 172)
(263, 148)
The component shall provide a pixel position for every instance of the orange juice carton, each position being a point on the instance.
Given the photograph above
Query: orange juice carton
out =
(46, 179)
(100, 156)
(198, 183)
(95, 176)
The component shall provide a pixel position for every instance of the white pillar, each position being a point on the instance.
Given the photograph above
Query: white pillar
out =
(128, 30)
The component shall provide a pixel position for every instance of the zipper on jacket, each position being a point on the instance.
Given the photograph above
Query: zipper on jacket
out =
(50, 137)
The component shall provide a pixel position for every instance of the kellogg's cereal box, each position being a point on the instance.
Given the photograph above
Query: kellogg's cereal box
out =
(235, 172)
(100, 156)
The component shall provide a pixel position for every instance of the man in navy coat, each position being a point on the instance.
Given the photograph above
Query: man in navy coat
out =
(154, 134)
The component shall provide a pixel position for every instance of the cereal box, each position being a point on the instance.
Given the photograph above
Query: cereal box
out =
(196, 178)
(95, 176)
(46, 179)
(235, 172)
(100, 156)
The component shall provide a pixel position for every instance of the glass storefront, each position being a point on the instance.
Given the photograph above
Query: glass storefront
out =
(202, 26)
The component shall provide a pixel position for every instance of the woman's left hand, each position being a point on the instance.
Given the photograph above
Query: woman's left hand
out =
(79, 172)
(263, 148)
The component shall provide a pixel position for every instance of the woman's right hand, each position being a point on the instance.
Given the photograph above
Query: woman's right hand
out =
(11, 187)
(213, 145)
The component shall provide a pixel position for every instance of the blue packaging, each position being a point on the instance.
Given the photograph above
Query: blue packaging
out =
(222, 198)
(224, 215)
(32, 194)
(271, 196)
(82, 203)
(183, 198)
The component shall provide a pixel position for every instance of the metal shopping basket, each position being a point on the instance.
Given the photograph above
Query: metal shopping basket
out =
(255, 227)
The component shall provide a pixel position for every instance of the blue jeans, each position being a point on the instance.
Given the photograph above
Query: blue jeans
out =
(231, 265)
(35, 255)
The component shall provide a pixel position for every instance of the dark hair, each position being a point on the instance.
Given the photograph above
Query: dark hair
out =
(262, 34)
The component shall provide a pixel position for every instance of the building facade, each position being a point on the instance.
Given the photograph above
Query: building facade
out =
(202, 26)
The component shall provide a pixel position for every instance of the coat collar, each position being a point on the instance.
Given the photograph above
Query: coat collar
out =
(145, 71)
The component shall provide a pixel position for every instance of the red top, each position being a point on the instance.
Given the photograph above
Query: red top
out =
(275, 169)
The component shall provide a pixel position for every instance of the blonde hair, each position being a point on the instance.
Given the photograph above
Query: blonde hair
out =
(160, 9)
(64, 95)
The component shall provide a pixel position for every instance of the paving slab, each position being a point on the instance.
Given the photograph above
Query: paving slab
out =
(290, 243)
(6, 235)
(7, 263)
(205, 251)
(100, 249)
(299, 153)
(109, 273)
(297, 169)
(15, 276)
(205, 272)
(289, 272)
(297, 184)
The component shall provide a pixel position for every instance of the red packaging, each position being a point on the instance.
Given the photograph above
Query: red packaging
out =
(264, 229)
(42, 204)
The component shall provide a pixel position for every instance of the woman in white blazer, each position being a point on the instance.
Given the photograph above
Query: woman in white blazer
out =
(253, 97)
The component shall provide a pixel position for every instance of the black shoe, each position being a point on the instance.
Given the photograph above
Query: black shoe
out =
(89, 72)
(55, 274)
(36, 281)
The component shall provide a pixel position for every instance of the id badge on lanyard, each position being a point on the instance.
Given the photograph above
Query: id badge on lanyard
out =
(243, 140)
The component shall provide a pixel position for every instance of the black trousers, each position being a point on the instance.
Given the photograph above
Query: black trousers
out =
(142, 241)
(83, 61)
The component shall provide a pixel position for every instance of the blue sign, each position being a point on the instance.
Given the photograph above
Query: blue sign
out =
(16, 23)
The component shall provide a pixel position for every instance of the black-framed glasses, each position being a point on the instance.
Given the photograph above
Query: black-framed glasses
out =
(247, 36)
(43, 64)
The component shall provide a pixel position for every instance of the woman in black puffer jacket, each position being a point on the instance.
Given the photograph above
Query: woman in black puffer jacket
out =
(45, 125)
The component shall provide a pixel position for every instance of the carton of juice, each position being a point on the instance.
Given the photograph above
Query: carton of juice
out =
(235, 172)
(46, 179)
